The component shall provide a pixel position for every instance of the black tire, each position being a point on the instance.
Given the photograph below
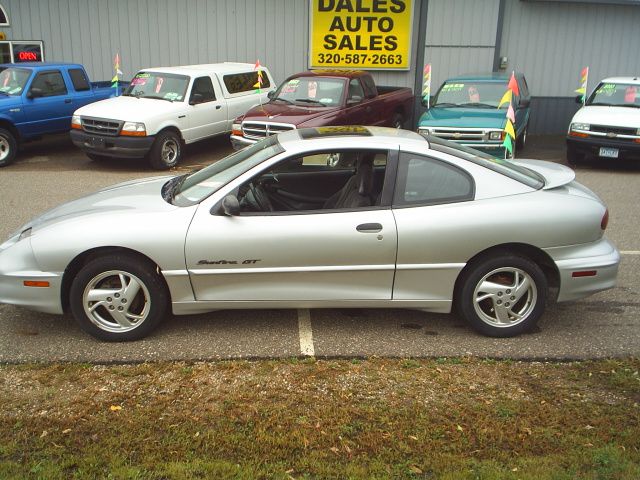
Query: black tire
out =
(149, 302)
(8, 147)
(494, 280)
(397, 121)
(521, 141)
(166, 151)
(98, 158)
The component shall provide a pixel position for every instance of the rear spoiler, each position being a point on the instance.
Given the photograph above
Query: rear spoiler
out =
(554, 174)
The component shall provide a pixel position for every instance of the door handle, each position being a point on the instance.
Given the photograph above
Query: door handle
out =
(67, 100)
(369, 228)
(218, 107)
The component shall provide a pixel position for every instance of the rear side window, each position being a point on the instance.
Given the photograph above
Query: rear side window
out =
(426, 181)
(79, 80)
(50, 84)
(244, 82)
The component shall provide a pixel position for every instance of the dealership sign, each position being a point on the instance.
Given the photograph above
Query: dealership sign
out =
(367, 34)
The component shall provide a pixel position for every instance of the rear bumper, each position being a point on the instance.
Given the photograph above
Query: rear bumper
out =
(591, 146)
(600, 257)
(125, 147)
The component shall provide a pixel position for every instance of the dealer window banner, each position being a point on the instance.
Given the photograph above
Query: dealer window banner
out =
(364, 34)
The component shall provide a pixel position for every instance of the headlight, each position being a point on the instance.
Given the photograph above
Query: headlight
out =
(134, 129)
(76, 122)
(496, 135)
(424, 131)
(236, 129)
(580, 126)
(638, 132)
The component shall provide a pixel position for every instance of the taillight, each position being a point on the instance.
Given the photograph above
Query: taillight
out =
(605, 220)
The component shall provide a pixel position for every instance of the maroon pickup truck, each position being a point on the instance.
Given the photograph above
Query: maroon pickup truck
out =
(319, 98)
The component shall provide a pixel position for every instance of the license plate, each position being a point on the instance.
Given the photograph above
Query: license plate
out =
(608, 152)
(95, 142)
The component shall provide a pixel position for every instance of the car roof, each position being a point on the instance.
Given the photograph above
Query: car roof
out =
(41, 64)
(226, 67)
(331, 73)
(297, 138)
(631, 80)
(484, 77)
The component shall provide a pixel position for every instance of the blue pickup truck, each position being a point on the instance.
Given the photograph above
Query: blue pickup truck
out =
(39, 98)
(465, 110)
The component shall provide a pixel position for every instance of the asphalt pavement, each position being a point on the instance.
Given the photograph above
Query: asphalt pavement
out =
(53, 171)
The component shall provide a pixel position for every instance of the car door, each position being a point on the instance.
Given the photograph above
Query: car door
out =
(302, 255)
(206, 114)
(48, 105)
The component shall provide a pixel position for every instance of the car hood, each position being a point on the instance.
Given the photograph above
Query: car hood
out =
(280, 112)
(612, 116)
(554, 174)
(130, 109)
(463, 117)
(143, 195)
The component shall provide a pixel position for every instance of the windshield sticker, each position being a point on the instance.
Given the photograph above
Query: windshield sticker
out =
(326, 100)
(291, 86)
(607, 89)
(143, 75)
(172, 96)
(159, 82)
(630, 94)
(453, 87)
(139, 81)
(13, 91)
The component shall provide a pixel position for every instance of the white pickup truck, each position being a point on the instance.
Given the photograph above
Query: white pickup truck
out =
(608, 125)
(164, 108)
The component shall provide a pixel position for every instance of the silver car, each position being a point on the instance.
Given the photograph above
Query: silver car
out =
(314, 218)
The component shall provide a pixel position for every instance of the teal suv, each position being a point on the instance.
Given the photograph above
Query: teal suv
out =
(465, 110)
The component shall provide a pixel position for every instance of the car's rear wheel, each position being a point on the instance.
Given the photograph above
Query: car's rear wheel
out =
(8, 147)
(118, 298)
(502, 296)
(166, 151)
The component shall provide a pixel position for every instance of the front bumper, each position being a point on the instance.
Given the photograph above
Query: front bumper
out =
(125, 147)
(17, 265)
(239, 142)
(600, 257)
(591, 146)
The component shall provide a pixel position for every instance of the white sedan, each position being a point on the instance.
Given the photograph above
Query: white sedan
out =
(329, 217)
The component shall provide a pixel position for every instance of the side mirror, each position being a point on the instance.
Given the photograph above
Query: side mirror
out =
(230, 206)
(35, 92)
(196, 98)
(579, 99)
(271, 94)
(354, 100)
(524, 103)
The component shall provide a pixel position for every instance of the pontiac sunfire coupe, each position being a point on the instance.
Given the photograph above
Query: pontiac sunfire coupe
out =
(328, 217)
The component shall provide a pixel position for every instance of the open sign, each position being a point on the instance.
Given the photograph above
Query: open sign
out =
(27, 52)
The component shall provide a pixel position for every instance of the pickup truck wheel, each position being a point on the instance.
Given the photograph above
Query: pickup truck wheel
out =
(166, 151)
(8, 147)
(397, 121)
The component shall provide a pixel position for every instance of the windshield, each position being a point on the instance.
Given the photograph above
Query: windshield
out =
(616, 95)
(158, 85)
(199, 185)
(310, 91)
(13, 80)
(471, 94)
(499, 165)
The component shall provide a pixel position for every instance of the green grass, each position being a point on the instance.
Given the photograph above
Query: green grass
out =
(312, 419)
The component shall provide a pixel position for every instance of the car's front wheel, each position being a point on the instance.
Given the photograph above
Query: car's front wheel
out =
(502, 296)
(8, 147)
(166, 151)
(118, 297)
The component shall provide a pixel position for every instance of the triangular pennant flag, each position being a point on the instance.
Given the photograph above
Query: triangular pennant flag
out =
(506, 98)
(119, 72)
(256, 85)
(511, 114)
(508, 144)
(115, 78)
(257, 65)
(513, 84)
(581, 90)
(509, 129)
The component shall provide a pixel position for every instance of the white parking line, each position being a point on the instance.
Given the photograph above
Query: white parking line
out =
(630, 252)
(306, 334)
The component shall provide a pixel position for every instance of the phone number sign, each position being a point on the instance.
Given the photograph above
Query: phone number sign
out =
(366, 34)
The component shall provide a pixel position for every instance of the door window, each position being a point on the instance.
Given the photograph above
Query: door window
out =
(426, 181)
(202, 91)
(356, 93)
(49, 84)
(79, 79)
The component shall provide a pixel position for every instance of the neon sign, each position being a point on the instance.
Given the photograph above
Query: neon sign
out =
(28, 56)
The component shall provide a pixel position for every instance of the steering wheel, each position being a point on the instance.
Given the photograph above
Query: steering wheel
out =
(261, 198)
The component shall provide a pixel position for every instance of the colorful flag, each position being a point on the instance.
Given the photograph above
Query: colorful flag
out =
(426, 83)
(584, 77)
(506, 98)
(510, 132)
(116, 67)
(258, 84)
(513, 84)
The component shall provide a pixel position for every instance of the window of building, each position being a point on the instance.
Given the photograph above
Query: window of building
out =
(21, 51)
(244, 82)
(4, 18)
